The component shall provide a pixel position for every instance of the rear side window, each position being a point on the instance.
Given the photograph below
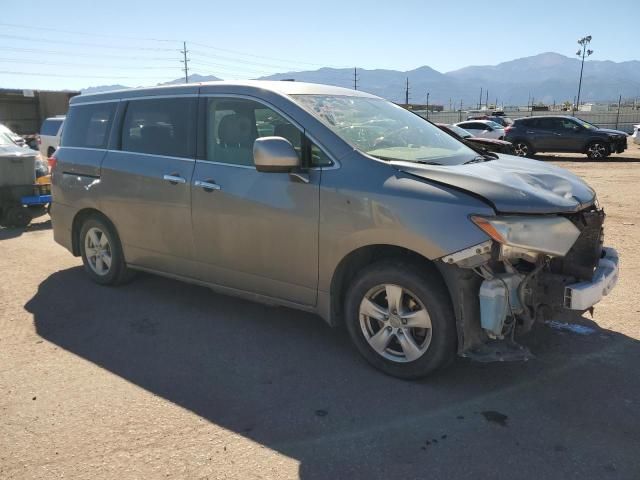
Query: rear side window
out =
(162, 126)
(88, 126)
(50, 127)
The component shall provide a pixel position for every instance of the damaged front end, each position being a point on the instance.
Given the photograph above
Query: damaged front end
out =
(532, 268)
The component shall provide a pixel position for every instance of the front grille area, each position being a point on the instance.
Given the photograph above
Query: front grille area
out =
(584, 255)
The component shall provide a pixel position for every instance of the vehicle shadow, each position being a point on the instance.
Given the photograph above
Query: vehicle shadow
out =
(287, 381)
(13, 232)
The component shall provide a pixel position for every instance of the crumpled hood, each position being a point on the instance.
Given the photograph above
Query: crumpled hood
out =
(512, 184)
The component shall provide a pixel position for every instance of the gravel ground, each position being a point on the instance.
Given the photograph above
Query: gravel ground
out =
(161, 379)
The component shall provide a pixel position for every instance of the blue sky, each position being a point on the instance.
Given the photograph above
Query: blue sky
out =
(75, 44)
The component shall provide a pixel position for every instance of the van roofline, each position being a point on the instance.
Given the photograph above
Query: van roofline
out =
(281, 87)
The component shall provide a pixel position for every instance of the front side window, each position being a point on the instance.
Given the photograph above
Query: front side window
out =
(88, 126)
(233, 124)
(164, 126)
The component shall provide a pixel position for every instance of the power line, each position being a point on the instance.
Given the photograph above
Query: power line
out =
(263, 56)
(92, 65)
(91, 55)
(10, 72)
(88, 34)
(83, 44)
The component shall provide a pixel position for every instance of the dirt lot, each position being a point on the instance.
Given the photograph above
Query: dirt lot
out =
(165, 380)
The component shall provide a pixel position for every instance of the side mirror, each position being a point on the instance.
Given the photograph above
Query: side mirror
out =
(577, 128)
(274, 154)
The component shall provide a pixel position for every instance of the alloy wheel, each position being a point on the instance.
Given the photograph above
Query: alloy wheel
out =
(521, 149)
(395, 323)
(597, 150)
(98, 251)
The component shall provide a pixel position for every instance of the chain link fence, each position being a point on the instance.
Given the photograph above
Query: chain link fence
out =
(624, 121)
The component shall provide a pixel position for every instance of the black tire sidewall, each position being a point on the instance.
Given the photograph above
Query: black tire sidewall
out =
(117, 259)
(429, 287)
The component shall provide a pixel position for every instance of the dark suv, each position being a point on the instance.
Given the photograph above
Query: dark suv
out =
(563, 134)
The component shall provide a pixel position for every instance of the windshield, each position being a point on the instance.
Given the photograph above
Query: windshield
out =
(493, 124)
(584, 124)
(461, 132)
(386, 131)
(5, 139)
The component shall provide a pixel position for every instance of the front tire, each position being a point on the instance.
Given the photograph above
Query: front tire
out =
(598, 150)
(522, 149)
(400, 319)
(101, 252)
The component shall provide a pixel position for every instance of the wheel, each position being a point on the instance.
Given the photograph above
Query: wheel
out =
(597, 150)
(16, 216)
(522, 148)
(400, 319)
(102, 253)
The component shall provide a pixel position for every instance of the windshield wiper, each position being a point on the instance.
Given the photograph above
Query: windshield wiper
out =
(480, 159)
(427, 162)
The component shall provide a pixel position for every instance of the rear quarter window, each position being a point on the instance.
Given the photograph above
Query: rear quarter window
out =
(88, 126)
(50, 127)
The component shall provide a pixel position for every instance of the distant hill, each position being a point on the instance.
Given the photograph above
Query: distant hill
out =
(546, 77)
(194, 78)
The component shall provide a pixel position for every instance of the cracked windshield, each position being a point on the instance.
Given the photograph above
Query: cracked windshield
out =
(386, 131)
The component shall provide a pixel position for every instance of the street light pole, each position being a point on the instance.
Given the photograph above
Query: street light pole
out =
(584, 51)
(427, 105)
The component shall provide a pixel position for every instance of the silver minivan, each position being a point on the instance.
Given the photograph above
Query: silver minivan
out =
(332, 201)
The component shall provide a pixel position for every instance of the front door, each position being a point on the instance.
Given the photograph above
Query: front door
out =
(146, 183)
(253, 231)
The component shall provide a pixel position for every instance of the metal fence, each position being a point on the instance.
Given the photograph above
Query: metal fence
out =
(625, 121)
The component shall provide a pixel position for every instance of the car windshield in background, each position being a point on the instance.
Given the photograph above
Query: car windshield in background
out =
(493, 124)
(584, 124)
(461, 132)
(386, 131)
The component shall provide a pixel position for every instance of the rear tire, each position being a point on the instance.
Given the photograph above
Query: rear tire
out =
(16, 216)
(416, 340)
(101, 252)
(522, 148)
(598, 150)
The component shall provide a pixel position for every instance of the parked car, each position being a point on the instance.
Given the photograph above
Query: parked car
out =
(564, 134)
(15, 138)
(499, 119)
(636, 134)
(331, 201)
(483, 129)
(49, 137)
(490, 144)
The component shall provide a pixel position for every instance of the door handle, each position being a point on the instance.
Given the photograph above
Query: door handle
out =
(207, 185)
(174, 179)
(529, 132)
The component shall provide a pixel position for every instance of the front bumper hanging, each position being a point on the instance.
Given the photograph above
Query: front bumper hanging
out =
(583, 295)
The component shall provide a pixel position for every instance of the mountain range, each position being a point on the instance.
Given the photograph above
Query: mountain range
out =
(547, 77)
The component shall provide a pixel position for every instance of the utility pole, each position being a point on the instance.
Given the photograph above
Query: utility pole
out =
(480, 101)
(406, 94)
(185, 60)
(355, 78)
(460, 112)
(486, 102)
(450, 105)
(584, 51)
(427, 105)
(618, 115)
